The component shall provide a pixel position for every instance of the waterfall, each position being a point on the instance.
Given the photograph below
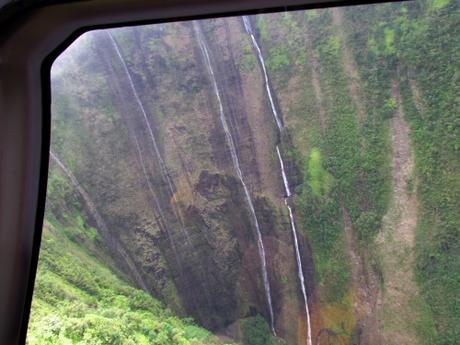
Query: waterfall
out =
(102, 226)
(164, 170)
(175, 246)
(236, 164)
(283, 172)
(177, 257)
(296, 246)
(247, 25)
(147, 179)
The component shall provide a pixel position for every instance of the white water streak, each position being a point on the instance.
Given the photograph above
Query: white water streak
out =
(283, 173)
(163, 168)
(247, 25)
(102, 226)
(236, 164)
(164, 171)
(296, 246)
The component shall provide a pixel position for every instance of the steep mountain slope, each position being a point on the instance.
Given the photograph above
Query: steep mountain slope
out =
(292, 171)
(181, 218)
(79, 300)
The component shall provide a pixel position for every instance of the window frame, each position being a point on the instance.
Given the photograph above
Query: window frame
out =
(31, 39)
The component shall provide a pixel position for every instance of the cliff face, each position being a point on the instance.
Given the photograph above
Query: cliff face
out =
(151, 151)
(170, 131)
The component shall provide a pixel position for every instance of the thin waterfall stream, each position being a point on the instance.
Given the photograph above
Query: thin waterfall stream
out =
(164, 171)
(102, 226)
(279, 123)
(247, 25)
(178, 254)
(236, 164)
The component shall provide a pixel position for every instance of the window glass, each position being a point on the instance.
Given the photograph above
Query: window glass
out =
(287, 178)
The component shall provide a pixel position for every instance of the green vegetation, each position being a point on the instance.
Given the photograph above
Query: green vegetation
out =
(78, 300)
(256, 332)
(424, 57)
(318, 203)
(354, 165)
(280, 58)
(389, 38)
(321, 215)
(404, 54)
(413, 47)
(320, 179)
(436, 136)
(249, 59)
(438, 4)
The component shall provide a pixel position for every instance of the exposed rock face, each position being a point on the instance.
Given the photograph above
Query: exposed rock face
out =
(174, 136)
(146, 140)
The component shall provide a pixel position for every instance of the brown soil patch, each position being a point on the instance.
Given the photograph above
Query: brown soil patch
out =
(396, 240)
(402, 170)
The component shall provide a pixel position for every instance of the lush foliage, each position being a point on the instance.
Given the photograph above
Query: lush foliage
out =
(354, 163)
(413, 48)
(436, 135)
(340, 144)
(79, 300)
(418, 44)
(256, 332)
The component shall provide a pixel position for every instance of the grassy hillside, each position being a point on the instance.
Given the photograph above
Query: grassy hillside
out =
(418, 44)
(359, 76)
(79, 300)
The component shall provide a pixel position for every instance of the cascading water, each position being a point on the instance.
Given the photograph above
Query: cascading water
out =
(171, 241)
(236, 164)
(163, 168)
(147, 179)
(247, 25)
(279, 123)
(178, 254)
(296, 246)
(102, 226)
